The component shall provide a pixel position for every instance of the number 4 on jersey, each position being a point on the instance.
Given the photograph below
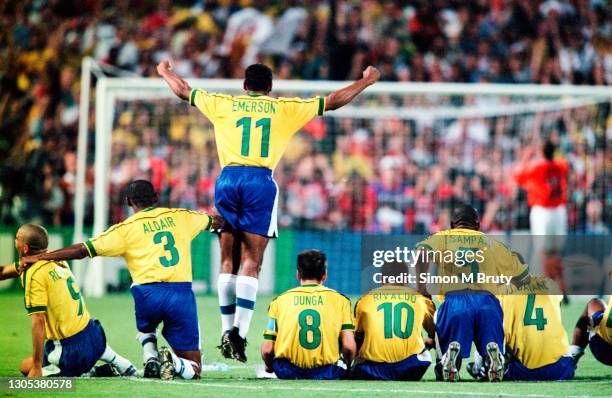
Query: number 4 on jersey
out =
(528, 320)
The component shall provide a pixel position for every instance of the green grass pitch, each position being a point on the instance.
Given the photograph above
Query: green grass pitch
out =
(116, 314)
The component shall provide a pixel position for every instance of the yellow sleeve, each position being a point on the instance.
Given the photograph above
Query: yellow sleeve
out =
(272, 327)
(348, 322)
(110, 243)
(433, 242)
(197, 221)
(206, 102)
(297, 111)
(36, 293)
(511, 263)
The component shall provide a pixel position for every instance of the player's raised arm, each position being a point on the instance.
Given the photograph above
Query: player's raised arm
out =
(74, 252)
(339, 98)
(180, 87)
(9, 271)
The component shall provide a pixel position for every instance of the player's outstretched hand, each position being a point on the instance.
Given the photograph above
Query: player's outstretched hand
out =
(218, 222)
(164, 67)
(25, 262)
(371, 75)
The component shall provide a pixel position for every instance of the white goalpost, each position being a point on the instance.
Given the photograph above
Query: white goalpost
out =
(535, 98)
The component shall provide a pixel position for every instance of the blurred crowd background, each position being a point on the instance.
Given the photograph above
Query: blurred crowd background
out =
(385, 176)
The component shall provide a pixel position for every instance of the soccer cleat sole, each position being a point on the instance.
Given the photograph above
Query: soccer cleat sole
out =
(166, 366)
(151, 369)
(496, 363)
(450, 371)
(226, 347)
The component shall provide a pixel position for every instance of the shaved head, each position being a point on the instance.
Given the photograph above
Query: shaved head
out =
(33, 237)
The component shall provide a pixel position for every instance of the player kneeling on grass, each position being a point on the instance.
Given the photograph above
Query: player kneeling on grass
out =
(470, 312)
(390, 322)
(536, 341)
(156, 244)
(594, 327)
(74, 341)
(309, 326)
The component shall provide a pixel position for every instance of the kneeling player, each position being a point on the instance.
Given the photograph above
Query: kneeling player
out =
(389, 325)
(470, 312)
(75, 342)
(309, 326)
(156, 245)
(595, 329)
(536, 341)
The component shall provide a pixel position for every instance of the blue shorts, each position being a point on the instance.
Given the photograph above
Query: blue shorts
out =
(286, 370)
(563, 369)
(77, 354)
(470, 316)
(172, 303)
(247, 197)
(410, 369)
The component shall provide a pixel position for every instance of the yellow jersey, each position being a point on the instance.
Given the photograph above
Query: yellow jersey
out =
(49, 287)
(305, 323)
(604, 329)
(155, 242)
(254, 130)
(392, 320)
(533, 329)
(487, 257)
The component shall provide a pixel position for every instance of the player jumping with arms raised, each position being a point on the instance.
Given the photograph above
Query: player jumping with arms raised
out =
(251, 131)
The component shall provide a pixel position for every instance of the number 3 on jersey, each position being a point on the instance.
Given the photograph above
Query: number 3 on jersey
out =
(172, 258)
(264, 123)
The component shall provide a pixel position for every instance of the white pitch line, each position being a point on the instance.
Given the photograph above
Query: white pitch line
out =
(331, 389)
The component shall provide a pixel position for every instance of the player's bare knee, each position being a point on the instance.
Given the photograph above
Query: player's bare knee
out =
(594, 305)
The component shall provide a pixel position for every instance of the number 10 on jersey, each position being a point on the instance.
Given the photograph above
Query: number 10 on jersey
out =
(264, 123)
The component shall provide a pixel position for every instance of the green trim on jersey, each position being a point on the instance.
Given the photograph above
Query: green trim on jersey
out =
(32, 310)
(91, 248)
(321, 105)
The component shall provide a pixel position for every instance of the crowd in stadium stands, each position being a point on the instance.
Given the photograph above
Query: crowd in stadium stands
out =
(388, 177)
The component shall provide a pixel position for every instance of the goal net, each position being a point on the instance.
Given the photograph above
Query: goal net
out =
(392, 162)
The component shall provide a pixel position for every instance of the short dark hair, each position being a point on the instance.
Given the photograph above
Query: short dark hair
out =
(312, 264)
(548, 149)
(35, 236)
(258, 77)
(141, 193)
(466, 216)
(394, 269)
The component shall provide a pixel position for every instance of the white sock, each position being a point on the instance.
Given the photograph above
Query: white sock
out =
(576, 351)
(226, 290)
(148, 341)
(246, 295)
(110, 356)
(183, 367)
(478, 361)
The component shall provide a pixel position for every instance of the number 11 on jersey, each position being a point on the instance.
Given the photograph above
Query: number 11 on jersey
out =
(264, 123)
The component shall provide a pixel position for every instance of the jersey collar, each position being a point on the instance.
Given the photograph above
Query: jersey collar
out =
(149, 208)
